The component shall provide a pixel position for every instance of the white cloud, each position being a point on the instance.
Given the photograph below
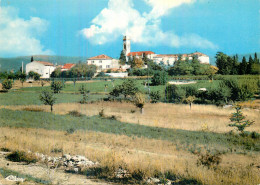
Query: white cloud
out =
(161, 7)
(120, 18)
(18, 37)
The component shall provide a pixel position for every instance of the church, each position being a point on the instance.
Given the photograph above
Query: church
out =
(166, 59)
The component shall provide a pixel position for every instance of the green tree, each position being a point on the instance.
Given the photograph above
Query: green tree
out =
(160, 78)
(7, 84)
(47, 97)
(224, 63)
(243, 66)
(56, 86)
(22, 78)
(249, 69)
(155, 96)
(128, 89)
(122, 58)
(238, 120)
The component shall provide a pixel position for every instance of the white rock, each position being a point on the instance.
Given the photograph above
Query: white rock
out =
(14, 178)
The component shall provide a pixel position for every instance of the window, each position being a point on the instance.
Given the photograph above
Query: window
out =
(100, 61)
(93, 62)
(108, 66)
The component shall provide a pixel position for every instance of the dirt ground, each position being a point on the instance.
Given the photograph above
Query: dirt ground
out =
(41, 171)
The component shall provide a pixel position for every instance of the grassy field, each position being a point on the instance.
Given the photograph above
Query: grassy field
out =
(167, 141)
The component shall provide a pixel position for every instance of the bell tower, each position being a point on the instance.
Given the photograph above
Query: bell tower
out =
(126, 45)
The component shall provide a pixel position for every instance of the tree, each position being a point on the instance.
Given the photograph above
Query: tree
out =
(122, 58)
(256, 60)
(235, 65)
(238, 120)
(56, 86)
(243, 66)
(34, 75)
(155, 96)
(47, 97)
(31, 58)
(224, 63)
(84, 92)
(138, 63)
(127, 88)
(190, 100)
(7, 84)
(22, 78)
(160, 78)
(250, 65)
(139, 101)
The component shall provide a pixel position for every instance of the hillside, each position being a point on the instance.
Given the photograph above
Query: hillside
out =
(16, 63)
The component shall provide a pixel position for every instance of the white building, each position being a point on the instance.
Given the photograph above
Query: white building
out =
(167, 59)
(43, 68)
(103, 62)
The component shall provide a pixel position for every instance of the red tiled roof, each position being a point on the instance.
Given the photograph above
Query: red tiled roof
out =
(68, 66)
(165, 55)
(140, 53)
(45, 63)
(100, 57)
(199, 54)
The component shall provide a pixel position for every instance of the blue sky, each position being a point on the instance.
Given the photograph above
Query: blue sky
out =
(93, 27)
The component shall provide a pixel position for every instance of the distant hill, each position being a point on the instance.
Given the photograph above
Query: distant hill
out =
(16, 63)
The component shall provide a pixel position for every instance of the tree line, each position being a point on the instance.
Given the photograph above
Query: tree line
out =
(230, 65)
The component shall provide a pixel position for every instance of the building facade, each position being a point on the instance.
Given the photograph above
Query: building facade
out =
(43, 68)
(103, 62)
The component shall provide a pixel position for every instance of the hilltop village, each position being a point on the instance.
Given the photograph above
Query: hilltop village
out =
(107, 64)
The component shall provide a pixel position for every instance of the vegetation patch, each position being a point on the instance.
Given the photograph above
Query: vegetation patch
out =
(6, 172)
(33, 109)
(20, 156)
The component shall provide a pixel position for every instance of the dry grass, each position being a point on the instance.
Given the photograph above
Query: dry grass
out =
(200, 117)
(133, 153)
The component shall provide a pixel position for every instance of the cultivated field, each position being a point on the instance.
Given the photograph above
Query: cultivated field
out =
(168, 141)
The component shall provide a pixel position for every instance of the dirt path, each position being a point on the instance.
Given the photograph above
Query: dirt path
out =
(42, 172)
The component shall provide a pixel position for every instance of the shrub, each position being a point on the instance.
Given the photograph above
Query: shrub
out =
(7, 84)
(209, 160)
(102, 113)
(139, 101)
(160, 78)
(56, 86)
(70, 131)
(32, 109)
(155, 96)
(75, 113)
(127, 88)
(19, 156)
(237, 119)
(174, 93)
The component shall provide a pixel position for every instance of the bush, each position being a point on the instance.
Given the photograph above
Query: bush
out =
(209, 160)
(139, 101)
(127, 88)
(174, 93)
(56, 86)
(18, 156)
(75, 113)
(7, 84)
(32, 109)
(155, 96)
(160, 78)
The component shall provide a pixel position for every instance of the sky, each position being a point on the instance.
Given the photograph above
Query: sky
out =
(92, 27)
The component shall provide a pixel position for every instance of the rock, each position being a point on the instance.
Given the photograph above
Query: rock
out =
(66, 156)
(14, 178)
(152, 180)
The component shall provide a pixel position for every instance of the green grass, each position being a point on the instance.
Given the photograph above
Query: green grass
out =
(6, 172)
(32, 98)
(183, 139)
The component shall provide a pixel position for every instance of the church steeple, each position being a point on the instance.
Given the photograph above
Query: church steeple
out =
(126, 45)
